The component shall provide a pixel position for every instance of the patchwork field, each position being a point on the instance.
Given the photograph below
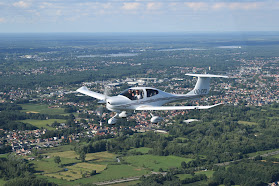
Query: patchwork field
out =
(154, 163)
(40, 108)
(71, 169)
(43, 123)
(247, 123)
(143, 150)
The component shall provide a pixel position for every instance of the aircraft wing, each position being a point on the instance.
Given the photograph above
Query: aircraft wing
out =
(84, 90)
(175, 107)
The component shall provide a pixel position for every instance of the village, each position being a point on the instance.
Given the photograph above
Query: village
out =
(251, 85)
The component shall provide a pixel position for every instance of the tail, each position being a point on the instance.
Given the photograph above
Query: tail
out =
(203, 84)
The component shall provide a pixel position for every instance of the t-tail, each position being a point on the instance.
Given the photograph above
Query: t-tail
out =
(203, 84)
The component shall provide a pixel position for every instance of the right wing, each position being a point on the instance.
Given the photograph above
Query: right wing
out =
(175, 107)
(84, 90)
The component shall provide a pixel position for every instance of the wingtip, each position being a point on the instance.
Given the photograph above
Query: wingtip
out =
(82, 89)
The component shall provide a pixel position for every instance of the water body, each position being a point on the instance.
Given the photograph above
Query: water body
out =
(229, 47)
(177, 49)
(111, 55)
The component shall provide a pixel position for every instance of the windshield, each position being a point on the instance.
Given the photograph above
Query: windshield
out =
(133, 94)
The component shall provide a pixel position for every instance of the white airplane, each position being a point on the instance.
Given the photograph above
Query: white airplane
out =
(151, 99)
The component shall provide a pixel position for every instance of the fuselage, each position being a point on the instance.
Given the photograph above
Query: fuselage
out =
(134, 97)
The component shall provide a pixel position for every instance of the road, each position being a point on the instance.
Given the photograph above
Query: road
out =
(127, 179)
(138, 177)
(263, 155)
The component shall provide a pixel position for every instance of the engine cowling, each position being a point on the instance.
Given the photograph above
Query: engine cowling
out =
(156, 119)
(112, 121)
(124, 114)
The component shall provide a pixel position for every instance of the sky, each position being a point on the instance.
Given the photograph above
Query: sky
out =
(21, 16)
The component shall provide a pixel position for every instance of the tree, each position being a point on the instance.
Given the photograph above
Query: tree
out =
(93, 172)
(183, 164)
(57, 159)
(82, 156)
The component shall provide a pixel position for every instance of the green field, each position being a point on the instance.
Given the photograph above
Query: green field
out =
(42, 109)
(253, 154)
(73, 169)
(247, 123)
(61, 148)
(208, 173)
(2, 182)
(43, 123)
(154, 163)
(143, 150)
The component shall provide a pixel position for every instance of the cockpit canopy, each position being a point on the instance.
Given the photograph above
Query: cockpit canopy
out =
(139, 93)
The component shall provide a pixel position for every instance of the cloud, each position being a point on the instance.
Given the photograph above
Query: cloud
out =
(238, 6)
(130, 6)
(2, 20)
(153, 6)
(21, 4)
(197, 5)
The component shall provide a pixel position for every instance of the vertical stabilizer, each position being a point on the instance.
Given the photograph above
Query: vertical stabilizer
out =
(203, 84)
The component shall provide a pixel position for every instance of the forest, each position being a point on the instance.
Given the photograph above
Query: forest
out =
(32, 67)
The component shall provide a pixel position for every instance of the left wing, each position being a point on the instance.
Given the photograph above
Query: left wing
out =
(84, 90)
(175, 107)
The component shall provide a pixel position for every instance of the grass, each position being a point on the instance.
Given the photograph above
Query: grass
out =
(127, 183)
(61, 148)
(43, 123)
(47, 165)
(143, 150)
(208, 173)
(154, 163)
(103, 162)
(261, 152)
(76, 171)
(247, 123)
(73, 168)
(114, 172)
(4, 155)
(41, 108)
(184, 176)
(2, 182)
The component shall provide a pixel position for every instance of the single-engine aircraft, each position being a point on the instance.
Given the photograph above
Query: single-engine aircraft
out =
(151, 99)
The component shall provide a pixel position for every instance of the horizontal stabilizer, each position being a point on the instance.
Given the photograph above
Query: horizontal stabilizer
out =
(176, 107)
(84, 90)
(207, 75)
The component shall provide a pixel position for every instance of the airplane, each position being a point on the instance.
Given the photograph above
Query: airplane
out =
(151, 99)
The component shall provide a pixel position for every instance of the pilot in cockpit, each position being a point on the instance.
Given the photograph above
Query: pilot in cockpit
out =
(138, 95)
(131, 95)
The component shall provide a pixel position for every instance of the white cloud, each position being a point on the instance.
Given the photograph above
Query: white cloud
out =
(2, 20)
(45, 5)
(153, 6)
(197, 5)
(245, 6)
(238, 6)
(130, 6)
(21, 4)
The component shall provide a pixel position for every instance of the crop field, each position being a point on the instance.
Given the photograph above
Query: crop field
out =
(76, 171)
(43, 123)
(247, 123)
(2, 182)
(72, 171)
(208, 173)
(42, 109)
(143, 150)
(262, 152)
(113, 172)
(154, 163)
